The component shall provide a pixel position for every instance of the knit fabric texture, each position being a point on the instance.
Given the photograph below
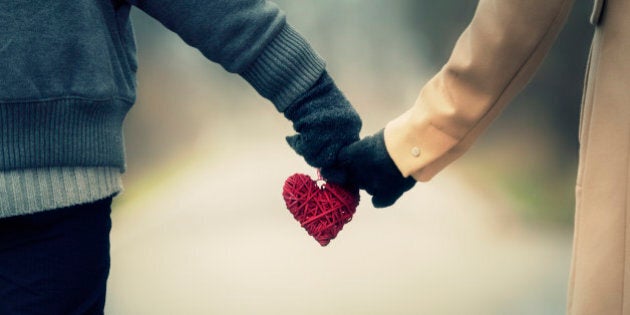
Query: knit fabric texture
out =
(325, 122)
(33, 190)
(68, 78)
(366, 165)
(69, 113)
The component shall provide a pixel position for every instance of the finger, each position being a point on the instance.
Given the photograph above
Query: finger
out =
(335, 174)
(296, 143)
(380, 201)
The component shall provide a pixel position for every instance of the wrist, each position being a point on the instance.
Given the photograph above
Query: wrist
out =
(318, 97)
(383, 157)
(324, 121)
(287, 67)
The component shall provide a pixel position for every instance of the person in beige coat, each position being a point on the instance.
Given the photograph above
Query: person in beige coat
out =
(492, 61)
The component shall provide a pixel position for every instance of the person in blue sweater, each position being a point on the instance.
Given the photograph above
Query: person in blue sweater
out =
(67, 80)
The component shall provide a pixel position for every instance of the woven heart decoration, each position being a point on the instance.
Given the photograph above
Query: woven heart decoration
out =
(321, 210)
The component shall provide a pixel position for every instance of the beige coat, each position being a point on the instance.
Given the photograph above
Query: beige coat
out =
(492, 61)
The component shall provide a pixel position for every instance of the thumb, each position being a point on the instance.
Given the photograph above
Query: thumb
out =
(389, 196)
(382, 201)
(295, 142)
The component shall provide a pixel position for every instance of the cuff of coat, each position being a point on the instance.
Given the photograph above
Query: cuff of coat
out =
(414, 143)
(428, 136)
(286, 68)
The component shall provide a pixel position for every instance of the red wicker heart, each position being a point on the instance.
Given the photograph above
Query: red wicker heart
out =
(322, 211)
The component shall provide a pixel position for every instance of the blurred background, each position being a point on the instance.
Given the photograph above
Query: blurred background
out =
(202, 228)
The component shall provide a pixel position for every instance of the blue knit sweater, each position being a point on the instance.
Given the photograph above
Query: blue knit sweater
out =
(67, 70)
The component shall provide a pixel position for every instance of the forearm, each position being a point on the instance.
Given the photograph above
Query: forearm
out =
(492, 61)
(248, 37)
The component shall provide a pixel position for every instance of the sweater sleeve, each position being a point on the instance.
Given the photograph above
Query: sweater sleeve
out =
(492, 61)
(248, 37)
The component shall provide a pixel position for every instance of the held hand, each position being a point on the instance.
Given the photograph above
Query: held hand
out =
(367, 165)
(325, 122)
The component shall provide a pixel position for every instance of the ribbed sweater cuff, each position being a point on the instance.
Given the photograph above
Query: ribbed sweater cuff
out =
(286, 68)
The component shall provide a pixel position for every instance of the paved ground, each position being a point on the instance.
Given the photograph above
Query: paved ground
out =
(215, 238)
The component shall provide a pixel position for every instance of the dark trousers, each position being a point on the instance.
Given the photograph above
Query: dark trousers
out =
(55, 262)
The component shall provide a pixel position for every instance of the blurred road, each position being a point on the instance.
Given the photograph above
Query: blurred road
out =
(214, 237)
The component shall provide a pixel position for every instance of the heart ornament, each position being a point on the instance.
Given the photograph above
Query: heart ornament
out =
(322, 209)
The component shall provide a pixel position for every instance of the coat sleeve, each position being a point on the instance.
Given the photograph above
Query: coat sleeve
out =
(492, 61)
(248, 37)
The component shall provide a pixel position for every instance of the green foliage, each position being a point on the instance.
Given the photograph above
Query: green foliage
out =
(543, 195)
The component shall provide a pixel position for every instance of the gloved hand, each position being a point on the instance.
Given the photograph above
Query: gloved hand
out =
(325, 122)
(367, 165)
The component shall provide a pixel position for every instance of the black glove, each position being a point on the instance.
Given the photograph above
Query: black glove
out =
(325, 122)
(367, 165)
